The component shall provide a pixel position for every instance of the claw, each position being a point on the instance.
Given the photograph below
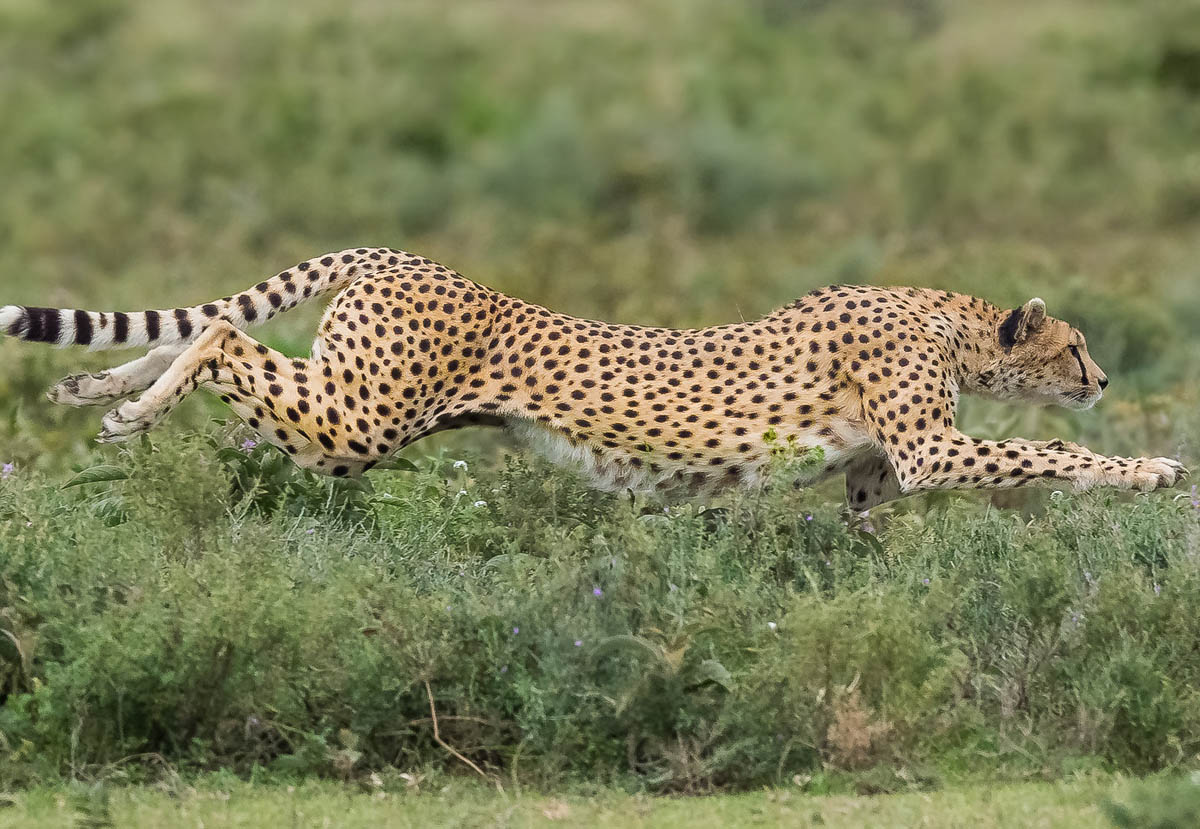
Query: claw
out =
(117, 427)
(86, 390)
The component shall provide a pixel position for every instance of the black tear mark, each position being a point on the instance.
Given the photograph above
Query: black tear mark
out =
(1082, 367)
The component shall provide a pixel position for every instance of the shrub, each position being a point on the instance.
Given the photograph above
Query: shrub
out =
(562, 634)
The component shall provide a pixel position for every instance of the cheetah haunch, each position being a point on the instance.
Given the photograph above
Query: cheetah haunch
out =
(409, 348)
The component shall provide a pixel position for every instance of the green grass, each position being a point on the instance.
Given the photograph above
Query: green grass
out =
(1068, 805)
(247, 617)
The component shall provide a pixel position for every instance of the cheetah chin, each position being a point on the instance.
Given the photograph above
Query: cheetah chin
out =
(407, 348)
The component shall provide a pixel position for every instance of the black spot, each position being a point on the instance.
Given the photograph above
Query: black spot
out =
(183, 323)
(248, 310)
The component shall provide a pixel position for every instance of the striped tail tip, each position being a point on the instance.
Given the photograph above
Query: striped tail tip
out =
(12, 320)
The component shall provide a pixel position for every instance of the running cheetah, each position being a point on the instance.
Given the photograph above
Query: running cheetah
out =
(869, 375)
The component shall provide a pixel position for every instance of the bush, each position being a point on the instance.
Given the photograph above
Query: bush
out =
(563, 634)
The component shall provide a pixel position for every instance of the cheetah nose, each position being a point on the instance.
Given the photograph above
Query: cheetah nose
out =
(1103, 383)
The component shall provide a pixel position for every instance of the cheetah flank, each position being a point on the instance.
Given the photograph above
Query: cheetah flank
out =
(409, 348)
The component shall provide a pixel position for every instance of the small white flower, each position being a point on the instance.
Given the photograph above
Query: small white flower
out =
(480, 504)
(771, 626)
(461, 493)
(461, 465)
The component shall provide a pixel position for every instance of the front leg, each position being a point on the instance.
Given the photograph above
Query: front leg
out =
(952, 460)
(872, 481)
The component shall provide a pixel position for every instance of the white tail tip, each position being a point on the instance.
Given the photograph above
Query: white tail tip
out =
(9, 315)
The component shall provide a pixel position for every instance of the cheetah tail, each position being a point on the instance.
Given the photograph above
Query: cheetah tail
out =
(117, 329)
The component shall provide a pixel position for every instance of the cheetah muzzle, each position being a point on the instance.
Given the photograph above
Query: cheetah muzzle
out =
(408, 347)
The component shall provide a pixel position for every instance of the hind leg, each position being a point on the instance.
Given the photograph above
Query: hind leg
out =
(117, 383)
(180, 379)
(279, 397)
(871, 481)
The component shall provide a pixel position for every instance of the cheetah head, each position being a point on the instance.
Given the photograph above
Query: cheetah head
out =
(1042, 360)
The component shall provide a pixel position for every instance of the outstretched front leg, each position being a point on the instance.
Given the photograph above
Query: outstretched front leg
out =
(942, 457)
(872, 480)
(953, 460)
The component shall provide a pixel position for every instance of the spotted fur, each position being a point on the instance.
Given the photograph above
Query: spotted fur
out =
(870, 375)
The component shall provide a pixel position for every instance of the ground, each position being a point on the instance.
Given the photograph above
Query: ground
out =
(1073, 805)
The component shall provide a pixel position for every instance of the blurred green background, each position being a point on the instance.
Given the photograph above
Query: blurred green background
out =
(652, 161)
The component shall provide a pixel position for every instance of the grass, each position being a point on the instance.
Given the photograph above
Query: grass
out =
(1044, 805)
(252, 618)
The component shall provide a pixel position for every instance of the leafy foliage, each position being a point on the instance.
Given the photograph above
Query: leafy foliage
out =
(675, 647)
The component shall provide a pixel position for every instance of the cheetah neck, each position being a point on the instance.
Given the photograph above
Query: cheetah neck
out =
(969, 336)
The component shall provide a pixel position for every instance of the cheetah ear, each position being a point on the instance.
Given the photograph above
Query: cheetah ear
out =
(1022, 322)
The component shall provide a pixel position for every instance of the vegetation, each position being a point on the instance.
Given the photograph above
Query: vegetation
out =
(554, 634)
(223, 802)
(192, 603)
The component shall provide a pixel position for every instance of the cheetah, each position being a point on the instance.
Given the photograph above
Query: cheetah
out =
(871, 376)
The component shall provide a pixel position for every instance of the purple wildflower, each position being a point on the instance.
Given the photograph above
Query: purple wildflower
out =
(597, 592)
(924, 581)
(579, 643)
(248, 444)
(516, 630)
(6, 471)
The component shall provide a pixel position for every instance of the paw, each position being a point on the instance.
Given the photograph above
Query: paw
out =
(1149, 474)
(87, 390)
(124, 422)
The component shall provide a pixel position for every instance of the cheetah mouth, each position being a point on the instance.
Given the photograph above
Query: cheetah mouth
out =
(1081, 400)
